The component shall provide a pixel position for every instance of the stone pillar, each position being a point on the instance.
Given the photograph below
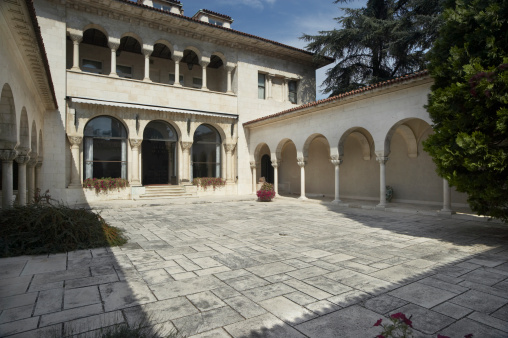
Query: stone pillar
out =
(447, 199)
(169, 148)
(147, 53)
(7, 156)
(204, 64)
(301, 164)
(336, 161)
(229, 70)
(382, 181)
(177, 60)
(114, 47)
(275, 165)
(254, 176)
(22, 160)
(229, 147)
(135, 144)
(186, 146)
(269, 86)
(38, 174)
(76, 39)
(30, 176)
(75, 167)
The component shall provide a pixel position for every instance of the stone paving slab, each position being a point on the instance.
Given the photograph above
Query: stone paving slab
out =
(267, 270)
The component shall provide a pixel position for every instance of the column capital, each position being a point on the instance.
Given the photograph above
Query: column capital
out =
(38, 165)
(33, 159)
(276, 163)
(204, 64)
(230, 67)
(75, 140)
(177, 58)
(301, 162)
(253, 165)
(8, 155)
(186, 145)
(270, 76)
(76, 36)
(229, 147)
(336, 162)
(382, 159)
(147, 51)
(135, 142)
(114, 44)
(22, 159)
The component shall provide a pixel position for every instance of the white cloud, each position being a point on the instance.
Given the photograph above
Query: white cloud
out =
(251, 3)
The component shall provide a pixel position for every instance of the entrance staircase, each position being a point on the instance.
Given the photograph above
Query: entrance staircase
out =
(155, 192)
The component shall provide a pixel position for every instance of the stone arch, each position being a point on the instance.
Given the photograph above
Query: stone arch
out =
(257, 151)
(134, 36)
(33, 137)
(170, 122)
(363, 136)
(8, 125)
(217, 126)
(97, 27)
(318, 137)
(402, 128)
(195, 50)
(165, 43)
(24, 131)
(281, 146)
(113, 115)
(220, 56)
(288, 171)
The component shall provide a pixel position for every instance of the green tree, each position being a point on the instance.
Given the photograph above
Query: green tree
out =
(468, 103)
(383, 40)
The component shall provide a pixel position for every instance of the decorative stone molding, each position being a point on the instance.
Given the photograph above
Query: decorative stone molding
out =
(8, 155)
(186, 145)
(114, 43)
(177, 58)
(75, 140)
(76, 37)
(135, 143)
(336, 160)
(23, 151)
(301, 162)
(38, 165)
(382, 159)
(204, 64)
(276, 163)
(33, 159)
(147, 52)
(229, 147)
(22, 159)
(253, 165)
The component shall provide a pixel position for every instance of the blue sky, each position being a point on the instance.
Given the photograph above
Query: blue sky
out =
(283, 21)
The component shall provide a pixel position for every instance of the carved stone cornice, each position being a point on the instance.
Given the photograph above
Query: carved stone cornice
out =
(186, 145)
(135, 142)
(382, 159)
(8, 155)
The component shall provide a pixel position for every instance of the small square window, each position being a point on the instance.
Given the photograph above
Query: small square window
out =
(92, 66)
(216, 22)
(261, 86)
(197, 82)
(172, 79)
(124, 71)
(292, 91)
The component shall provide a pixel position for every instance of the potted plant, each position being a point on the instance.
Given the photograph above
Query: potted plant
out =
(266, 193)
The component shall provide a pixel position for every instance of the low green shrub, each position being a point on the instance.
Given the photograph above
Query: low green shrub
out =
(48, 227)
(206, 182)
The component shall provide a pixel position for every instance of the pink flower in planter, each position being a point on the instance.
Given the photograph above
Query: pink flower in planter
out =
(378, 323)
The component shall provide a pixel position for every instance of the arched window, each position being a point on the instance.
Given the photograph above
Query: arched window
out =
(206, 152)
(159, 153)
(105, 148)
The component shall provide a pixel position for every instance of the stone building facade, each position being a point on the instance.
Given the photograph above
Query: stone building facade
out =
(138, 90)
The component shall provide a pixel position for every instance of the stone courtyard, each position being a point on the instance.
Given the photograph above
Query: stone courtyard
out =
(281, 269)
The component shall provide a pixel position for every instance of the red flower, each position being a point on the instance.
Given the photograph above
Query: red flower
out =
(470, 335)
(380, 336)
(440, 336)
(402, 317)
(378, 322)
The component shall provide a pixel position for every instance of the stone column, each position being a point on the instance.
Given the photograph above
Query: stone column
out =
(38, 174)
(186, 146)
(447, 199)
(229, 70)
(30, 176)
(254, 176)
(7, 156)
(177, 60)
(75, 178)
(269, 86)
(135, 144)
(114, 47)
(301, 164)
(229, 147)
(147, 53)
(275, 165)
(76, 39)
(336, 161)
(382, 181)
(204, 64)
(22, 160)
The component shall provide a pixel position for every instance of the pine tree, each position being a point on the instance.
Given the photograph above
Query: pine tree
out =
(385, 39)
(469, 103)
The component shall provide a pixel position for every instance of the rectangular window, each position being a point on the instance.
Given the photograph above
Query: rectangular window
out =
(124, 71)
(197, 82)
(172, 79)
(292, 91)
(92, 66)
(216, 22)
(161, 6)
(261, 86)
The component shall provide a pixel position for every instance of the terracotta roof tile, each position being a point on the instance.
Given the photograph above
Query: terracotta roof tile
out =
(217, 14)
(344, 95)
(329, 59)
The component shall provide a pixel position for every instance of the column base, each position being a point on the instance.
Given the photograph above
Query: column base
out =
(205, 89)
(136, 184)
(302, 198)
(340, 203)
(113, 75)
(444, 212)
(381, 207)
(75, 186)
(230, 92)
(76, 69)
(147, 80)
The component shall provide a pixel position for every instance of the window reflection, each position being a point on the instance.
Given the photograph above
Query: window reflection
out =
(206, 152)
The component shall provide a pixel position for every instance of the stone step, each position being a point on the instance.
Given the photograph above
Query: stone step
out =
(161, 195)
(165, 197)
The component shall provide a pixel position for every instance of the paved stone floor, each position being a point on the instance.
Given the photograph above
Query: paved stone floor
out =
(281, 269)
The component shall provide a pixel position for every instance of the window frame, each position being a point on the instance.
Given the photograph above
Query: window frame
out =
(88, 70)
(295, 92)
(195, 85)
(182, 79)
(262, 86)
(120, 73)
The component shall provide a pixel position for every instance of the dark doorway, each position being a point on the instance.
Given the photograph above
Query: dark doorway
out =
(266, 168)
(159, 154)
